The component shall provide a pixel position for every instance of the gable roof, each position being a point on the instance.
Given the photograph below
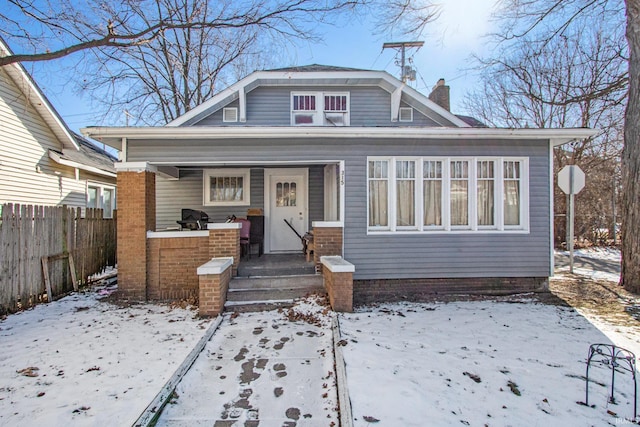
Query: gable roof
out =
(321, 75)
(37, 99)
(315, 67)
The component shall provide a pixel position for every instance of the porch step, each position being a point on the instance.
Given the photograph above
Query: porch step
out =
(275, 265)
(276, 282)
(268, 293)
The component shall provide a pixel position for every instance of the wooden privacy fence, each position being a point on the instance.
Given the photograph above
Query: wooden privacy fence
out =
(58, 238)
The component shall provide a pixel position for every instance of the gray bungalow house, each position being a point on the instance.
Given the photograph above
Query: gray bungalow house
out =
(415, 199)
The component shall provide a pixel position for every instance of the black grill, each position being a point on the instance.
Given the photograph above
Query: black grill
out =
(193, 220)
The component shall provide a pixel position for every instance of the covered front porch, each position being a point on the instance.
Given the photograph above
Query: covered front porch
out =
(159, 260)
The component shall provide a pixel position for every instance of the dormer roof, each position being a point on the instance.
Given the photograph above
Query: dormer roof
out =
(322, 75)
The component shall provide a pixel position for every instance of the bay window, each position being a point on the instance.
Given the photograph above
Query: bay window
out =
(455, 194)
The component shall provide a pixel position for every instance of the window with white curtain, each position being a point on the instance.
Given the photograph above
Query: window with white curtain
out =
(378, 177)
(486, 192)
(459, 192)
(512, 194)
(455, 194)
(432, 193)
(405, 193)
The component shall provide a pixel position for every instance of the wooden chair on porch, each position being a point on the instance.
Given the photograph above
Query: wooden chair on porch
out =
(245, 238)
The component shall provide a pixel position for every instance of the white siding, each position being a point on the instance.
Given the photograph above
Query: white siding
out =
(24, 143)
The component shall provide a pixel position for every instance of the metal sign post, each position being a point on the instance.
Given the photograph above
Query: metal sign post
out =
(571, 181)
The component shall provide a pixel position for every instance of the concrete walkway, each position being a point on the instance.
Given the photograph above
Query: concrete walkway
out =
(261, 369)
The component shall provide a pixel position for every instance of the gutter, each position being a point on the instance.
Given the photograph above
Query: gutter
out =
(112, 136)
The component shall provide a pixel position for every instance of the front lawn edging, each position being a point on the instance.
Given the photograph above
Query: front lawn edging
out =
(344, 402)
(150, 415)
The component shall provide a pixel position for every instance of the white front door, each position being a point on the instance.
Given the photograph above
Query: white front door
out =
(287, 200)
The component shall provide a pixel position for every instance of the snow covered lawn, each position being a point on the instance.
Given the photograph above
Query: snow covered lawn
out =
(81, 361)
(477, 363)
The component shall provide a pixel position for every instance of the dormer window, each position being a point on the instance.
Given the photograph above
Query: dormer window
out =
(320, 109)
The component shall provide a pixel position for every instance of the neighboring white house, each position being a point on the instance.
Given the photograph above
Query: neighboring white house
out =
(41, 161)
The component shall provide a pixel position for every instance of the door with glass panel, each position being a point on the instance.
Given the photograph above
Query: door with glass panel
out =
(287, 194)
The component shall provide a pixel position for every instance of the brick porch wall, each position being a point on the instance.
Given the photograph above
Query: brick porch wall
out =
(172, 265)
(337, 275)
(339, 289)
(327, 241)
(213, 293)
(136, 201)
(224, 241)
(389, 290)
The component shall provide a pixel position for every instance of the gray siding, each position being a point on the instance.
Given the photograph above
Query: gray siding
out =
(271, 106)
(316, 194)
(400, 256)
(174, 195)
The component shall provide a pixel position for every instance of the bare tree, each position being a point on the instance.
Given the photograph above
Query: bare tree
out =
(549, 19)
(57, 28)
(630, 277)
(157, 59)
(577, 81)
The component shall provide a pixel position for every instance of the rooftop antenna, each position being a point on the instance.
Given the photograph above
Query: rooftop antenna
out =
(406, 71)
(127, 114)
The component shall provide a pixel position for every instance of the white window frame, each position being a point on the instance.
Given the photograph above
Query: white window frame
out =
(524, 192)
(446, 227)
(229, 110)
(393, 181)
(245, 173)
(390, 215)
(101, 189)
(319, 114)
(444, 196)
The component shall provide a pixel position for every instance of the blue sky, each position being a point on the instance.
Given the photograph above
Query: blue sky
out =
(448, 45)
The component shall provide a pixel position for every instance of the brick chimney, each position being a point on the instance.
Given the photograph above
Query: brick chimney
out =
(440, 95)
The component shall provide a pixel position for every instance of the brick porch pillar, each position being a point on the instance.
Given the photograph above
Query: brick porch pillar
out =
(224, 241)
(136, 201)
(327, 240)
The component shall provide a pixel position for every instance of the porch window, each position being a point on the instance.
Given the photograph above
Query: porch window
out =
(226, 187)
(378, 194)
(452, 194)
